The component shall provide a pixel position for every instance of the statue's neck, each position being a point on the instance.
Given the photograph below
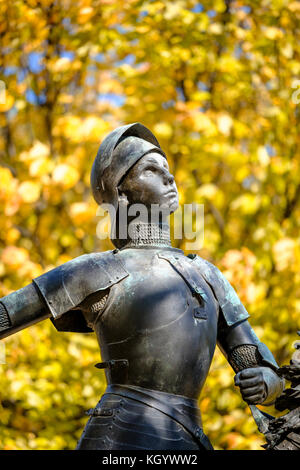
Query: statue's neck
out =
(147, 234)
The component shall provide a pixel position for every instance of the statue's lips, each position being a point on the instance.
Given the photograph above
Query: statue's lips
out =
(171, 193)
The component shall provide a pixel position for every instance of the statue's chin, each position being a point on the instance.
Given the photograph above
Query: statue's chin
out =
(174, 206)
(171, 204)
(168, 208)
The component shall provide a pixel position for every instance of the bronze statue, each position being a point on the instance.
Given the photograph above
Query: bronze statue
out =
(157, 313)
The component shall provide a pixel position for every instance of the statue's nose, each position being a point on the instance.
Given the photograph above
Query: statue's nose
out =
(168, 178)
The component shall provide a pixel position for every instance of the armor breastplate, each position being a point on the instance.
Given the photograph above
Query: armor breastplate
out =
(156, 321)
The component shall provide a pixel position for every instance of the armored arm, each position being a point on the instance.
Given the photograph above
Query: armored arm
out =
(252, 361)
(59, 293)
(21, 309)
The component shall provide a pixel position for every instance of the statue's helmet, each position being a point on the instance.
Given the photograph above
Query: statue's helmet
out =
(117, 154)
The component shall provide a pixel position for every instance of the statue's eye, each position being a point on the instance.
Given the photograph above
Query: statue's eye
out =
(150, 169)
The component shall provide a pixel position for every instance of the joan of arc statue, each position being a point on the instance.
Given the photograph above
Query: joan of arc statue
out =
(157, 314)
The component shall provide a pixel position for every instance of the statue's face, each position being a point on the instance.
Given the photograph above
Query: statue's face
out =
(150, 182)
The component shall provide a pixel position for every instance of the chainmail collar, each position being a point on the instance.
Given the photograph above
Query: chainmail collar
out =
(148, 234)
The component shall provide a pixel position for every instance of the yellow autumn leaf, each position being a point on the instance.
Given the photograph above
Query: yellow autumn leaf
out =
(284, 252)
(271, 32)
(208, 191)
(29, 191)
(163, 129)
(293, 6)
(81, 212)
(40, 167)
(224, 123)
(14, 257)
(61, 65)
(12, 235)
(246, 203)
(65, 175)
(85, 14)
(93, 128)
(38, 151)
(7, 101)
(30, 270)
(215, 28)
(263, 156)
(6, 182)
(202, 122)
(67, 126)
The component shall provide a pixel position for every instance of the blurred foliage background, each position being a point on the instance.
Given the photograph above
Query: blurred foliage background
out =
(215, 81)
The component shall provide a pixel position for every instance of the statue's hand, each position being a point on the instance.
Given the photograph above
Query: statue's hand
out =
(259, 385)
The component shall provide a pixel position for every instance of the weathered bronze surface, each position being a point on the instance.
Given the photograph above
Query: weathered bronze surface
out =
(158, 314)
(283, 433)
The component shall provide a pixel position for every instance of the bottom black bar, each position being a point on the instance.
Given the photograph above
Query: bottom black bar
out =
(145, 458)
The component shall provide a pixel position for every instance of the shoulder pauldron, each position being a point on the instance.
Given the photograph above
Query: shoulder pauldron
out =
(231, 306)
(65, 287)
